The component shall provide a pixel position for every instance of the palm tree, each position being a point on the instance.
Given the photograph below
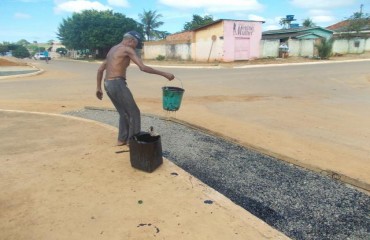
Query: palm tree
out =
(308, 23)
(150, 21)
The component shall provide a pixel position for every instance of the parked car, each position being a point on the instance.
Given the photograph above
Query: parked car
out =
(40, 56)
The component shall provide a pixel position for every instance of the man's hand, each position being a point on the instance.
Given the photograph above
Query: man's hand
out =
(99, 94)
(170, 76)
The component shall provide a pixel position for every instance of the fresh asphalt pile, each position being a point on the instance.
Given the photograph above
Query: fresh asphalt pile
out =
(300, 203)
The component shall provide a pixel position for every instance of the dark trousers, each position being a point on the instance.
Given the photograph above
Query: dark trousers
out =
(129, 113)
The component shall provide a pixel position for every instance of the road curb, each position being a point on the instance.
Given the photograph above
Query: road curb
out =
(39, 71)
(303, 63)
(63, 116)
(242, 66)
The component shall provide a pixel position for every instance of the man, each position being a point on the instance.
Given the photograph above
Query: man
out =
(115, 66)
(46, 54)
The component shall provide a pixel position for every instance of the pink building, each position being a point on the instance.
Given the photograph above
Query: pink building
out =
(222, 41)
(228, 40)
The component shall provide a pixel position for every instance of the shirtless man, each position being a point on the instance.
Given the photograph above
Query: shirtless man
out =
(115, 66)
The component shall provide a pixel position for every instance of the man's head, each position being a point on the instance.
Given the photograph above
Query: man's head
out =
(134, 36)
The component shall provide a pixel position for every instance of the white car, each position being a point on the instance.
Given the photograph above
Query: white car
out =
(40, 56)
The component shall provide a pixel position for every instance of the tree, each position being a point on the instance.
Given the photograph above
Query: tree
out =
(3, 49)
(150, 21)
(12, 46)
(197, 22)
(33, 48)
(283, 22)
(358, 22)
(325, 48)
(23, 42)
(20, 52)
(308, 23)
(95, 30)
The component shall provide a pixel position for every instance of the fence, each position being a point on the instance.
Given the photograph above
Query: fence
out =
(306, 47)
(183, 50)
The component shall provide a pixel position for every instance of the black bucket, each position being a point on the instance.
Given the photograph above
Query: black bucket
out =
(145, 151)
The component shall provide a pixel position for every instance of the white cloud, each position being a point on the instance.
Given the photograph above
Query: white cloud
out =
(215, 5)
(272, 23)
(255, 17)
(271, 27)
(78, 6)
(19, 15)
(322, 4)
(321, 16)
(319, 12)
(323, 19)
(118, 3)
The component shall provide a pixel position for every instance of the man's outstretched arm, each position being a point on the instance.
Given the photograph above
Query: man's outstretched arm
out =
(132, 54)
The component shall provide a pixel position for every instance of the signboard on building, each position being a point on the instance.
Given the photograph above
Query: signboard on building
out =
(242, 29)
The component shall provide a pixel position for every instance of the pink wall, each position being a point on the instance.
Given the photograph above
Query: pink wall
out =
(241, 39)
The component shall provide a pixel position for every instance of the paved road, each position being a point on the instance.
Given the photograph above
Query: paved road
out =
(315, 116)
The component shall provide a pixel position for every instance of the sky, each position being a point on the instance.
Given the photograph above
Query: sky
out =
(38, 20)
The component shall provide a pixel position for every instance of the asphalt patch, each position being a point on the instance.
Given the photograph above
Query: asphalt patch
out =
(300, 203)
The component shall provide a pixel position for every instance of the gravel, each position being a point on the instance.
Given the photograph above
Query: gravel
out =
(300, 203)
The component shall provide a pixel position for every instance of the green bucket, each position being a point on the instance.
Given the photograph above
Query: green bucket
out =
(172, 97)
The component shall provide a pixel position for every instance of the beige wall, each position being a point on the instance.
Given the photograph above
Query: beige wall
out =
(344, 46)
(206, 49)
(180, 50)
(269, 48)
(153, 49)
(302, 48)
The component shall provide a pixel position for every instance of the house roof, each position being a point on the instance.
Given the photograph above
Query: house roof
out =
(292, 33)
(215, 22)
(338, 25)
(341, 26)
(293, 30)
(297, 35)
(220, 20)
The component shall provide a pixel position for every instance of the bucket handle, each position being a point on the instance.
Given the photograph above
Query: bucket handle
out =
(180, 82)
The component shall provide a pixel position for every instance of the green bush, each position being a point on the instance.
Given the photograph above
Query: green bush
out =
(160, 58)
(21, 52)
(3, 49)
(325, 48)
